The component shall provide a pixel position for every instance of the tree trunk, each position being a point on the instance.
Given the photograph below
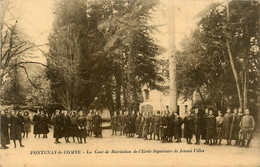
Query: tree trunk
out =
(233, 64)
(234, 73)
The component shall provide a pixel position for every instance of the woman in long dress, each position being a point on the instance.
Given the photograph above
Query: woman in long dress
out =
(15, 129)
(27, 123)
(4, 130)
(82, 133)
(36, 121)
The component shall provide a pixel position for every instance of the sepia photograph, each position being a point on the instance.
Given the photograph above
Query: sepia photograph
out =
(130, 83)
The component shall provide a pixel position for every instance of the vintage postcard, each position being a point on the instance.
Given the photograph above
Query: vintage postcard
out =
(129, 83)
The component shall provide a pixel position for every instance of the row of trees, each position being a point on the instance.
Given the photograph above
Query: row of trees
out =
(220, 61)
(101, 53)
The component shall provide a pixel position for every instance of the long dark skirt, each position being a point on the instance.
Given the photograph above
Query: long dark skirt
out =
(161, 131)
(82, 133)
(58, 132)
(74, 131)
(177, 132)
(211, 132)
(15, 132)
(5, 137)
(36, 129)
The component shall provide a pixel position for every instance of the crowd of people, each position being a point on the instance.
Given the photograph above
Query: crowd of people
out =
(15, 125)
(166, 126)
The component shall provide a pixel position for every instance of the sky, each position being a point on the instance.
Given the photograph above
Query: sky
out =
(36, 18)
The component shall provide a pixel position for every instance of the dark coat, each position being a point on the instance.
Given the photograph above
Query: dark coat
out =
(189, 126)
(74, 126)
(58, 126)
(234, 132)
(15, 128)
(162, 120)
(211, 127)
(43, 124)
(126, 124)
(97, 122)
(4, 130)
(138, 125)
(198, 123)
(177, 127)
(171, 125)
(132, 123)
(22, 122)
(228, 117)
(156, 125)
(27, 123)
(36, 123)
(82, 122)
(67, 126)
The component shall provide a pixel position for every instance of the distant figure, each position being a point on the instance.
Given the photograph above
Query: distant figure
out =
(132, 129)
(15, 129)
(114, 123)
(188, 127)
(121, 122)
(67, 126)
(197, 126)
(82, 133)
(234, 132)
(27, 123)
(58, 126)
(20, 116)
(138, 126)
(74, 126)
(177, 128)
(227, 126)
(36, 123)
(89, 126)
(211, 127)
(4, 130)
(97, 127)
(247, 126)
(43, 124)
(219, 128)
(146, 124)
(156, 125)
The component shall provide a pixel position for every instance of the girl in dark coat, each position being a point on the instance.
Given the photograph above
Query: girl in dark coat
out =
(36, 122)
(188, 127)
(20, 116)
(197, 126)
(74, 126)
(27, 123)
(15, 129)
(227, 126)
(97, 121)
(204, 126)
(162, 124)
(177, 128)
(132, 124)
(4, 130)
(156, 126)
(234, 132)
(82, 122)
(66, 126)
(219, 127)
(127, 124)
(43, 124)
(171, 126)
(58, 126)
(211, 127)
